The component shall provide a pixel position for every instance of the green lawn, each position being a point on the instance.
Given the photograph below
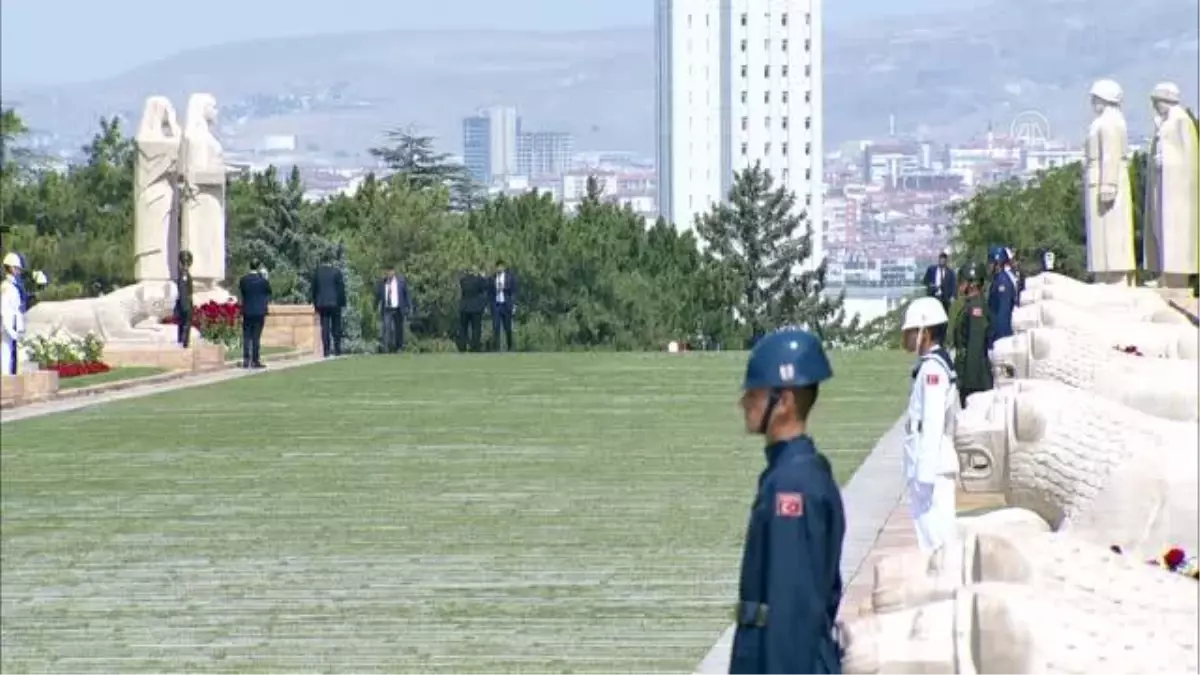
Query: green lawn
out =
(234, 354)
(114, 375)
(434, 513)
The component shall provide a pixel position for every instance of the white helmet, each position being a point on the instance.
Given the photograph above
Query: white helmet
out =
(924, 313)
(1167, 92)
(13, 260)
(1107, 91)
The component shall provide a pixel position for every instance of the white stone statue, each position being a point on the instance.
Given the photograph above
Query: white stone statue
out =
(1171, 225)
(1102, 471)
(202, 195)
(1100, 296)
(1056, 313)
(1014, 628)
(1159, 387)
(1108, 199)
(131, 314)
(155, 232)
(1162, 340)
(1050, 279)
(1046, 560)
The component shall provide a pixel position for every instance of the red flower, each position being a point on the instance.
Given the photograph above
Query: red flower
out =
(78, 369)
(1174, 558)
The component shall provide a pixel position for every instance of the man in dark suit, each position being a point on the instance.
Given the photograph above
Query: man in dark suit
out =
(473, 299)
(940, 282)
(393, 302)
(503, 289)
(183, 300)
(329, 298)
(256, 296)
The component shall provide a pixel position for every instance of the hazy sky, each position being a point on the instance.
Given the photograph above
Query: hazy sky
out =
(50, 41)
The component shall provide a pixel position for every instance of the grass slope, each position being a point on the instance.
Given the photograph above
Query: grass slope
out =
(494, 513)
(115, 375)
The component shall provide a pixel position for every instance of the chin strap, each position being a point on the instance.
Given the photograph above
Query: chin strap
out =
(772, 401)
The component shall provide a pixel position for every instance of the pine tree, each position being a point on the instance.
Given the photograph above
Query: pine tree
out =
(760, 236)
(413, 156)
(352, 318)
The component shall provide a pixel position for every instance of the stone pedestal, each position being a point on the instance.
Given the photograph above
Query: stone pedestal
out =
(197, 358)
(293, 326)
(26, 388)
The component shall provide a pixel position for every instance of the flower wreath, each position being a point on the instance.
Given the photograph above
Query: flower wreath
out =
(1173, 560)
(1129, 349)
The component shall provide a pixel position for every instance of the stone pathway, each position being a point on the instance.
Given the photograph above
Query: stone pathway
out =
(146, 389)
(879, 525)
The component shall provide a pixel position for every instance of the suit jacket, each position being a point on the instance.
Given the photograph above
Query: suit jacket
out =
(256, 294)
(949, 287)
(510, 288)
(404, 301)
(183, 285)
(328, 288)
(474, 295)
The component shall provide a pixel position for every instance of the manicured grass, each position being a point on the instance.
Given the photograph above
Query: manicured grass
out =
(434, 513)
(234, 355)
(114, 375)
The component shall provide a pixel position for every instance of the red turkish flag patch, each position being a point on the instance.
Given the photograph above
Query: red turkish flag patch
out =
(977, 312)
(932, 379)
(789, 504)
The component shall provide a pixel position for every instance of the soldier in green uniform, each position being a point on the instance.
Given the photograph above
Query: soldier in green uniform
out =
(972, 335)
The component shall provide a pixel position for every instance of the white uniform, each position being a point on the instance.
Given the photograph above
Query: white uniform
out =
(12, 325)
(930, 461)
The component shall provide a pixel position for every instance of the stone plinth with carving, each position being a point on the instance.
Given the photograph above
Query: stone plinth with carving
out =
(1107, 299)
(1016, 628)
(1160, 387)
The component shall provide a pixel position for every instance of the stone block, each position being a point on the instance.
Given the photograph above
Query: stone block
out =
(293, 326)
(27, 387)
(196, 358)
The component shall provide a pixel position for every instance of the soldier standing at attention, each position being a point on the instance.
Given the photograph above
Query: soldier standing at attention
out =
(791, 583)
(1002, 296)
(930, 460)
(183, 299)
(972, 336)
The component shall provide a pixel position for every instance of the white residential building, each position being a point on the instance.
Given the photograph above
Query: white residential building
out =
(739, 81)
(505, 128)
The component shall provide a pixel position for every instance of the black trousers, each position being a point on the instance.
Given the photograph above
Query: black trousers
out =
(502, 318)
(331, 330)
(252, 328)
(184, 328)
(470, 331)
(393, 330)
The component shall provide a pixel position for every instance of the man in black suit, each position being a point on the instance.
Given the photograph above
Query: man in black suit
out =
(473, 299)
(183, 300)
(329, 298)
(940, 282)
(503, 289)
(256, 296)
(394, 303)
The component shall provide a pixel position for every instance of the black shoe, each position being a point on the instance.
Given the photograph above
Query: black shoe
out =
(258, 365)
(245, 364)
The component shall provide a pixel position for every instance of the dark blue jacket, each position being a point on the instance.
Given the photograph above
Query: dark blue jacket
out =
(256, 294)
(947, 291)
(1002, 299)
(791, 583)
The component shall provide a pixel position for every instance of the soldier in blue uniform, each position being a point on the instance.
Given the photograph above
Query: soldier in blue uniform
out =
(791, 583)
(1002, 296)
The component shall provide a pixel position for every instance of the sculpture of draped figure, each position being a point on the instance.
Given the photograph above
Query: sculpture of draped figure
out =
(202, 196)
(1107, 194)
(155, 189)
(1171, 224)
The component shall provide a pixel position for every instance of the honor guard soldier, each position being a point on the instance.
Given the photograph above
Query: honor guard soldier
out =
(972, 335)
(790, 585)
(12, 314)
(1002, 296)
(930, 460)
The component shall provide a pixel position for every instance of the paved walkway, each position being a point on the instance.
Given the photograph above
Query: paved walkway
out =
(77, 402)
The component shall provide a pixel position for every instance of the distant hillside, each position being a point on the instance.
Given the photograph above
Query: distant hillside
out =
(949, 74)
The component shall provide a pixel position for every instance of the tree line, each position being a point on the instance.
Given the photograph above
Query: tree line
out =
(595, 278)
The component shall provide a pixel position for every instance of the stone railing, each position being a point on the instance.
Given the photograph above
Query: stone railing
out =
(294, 326)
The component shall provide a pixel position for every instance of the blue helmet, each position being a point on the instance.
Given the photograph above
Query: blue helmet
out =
(997, 254)
(787, 358)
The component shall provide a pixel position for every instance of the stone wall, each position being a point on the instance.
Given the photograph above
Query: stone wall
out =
(295, 326)
(197, 358)
(26, 388)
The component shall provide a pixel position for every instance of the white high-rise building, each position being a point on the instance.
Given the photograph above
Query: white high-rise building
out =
(505, 128)
(739, 81)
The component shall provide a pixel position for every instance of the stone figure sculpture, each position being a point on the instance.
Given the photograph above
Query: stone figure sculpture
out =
(1044, 560)
(203, 192)
(1050, 279)
(1013, 628)
(156, 233)
(1166, 340)
(1158, 387)
(131, 314)
(1108, 200)
(1054, 313)
(1171, 223)
(1104, 298)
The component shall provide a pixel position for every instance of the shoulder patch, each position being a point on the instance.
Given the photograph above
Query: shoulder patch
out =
(1002, 288)
(976, 312)
(932, 378)
(789, 504)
